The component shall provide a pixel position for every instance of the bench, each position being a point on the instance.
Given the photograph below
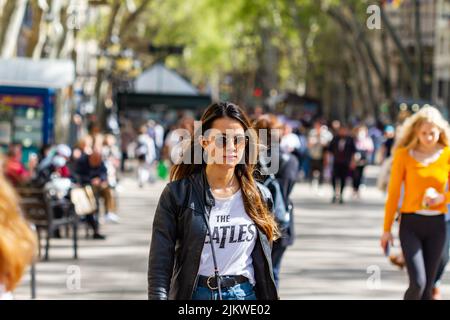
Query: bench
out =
(48, 214)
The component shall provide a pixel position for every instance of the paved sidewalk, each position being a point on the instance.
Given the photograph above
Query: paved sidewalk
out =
(336, 254)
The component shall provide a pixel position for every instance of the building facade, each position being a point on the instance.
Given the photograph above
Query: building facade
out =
(441, 80)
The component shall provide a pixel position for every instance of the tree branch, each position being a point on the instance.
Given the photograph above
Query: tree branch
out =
(132, 18)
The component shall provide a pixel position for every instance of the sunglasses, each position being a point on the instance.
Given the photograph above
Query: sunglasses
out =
(222, 141)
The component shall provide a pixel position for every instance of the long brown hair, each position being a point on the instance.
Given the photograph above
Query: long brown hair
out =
(254, 206)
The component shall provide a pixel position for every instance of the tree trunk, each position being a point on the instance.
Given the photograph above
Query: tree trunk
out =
(129, 21)
(356, 46)
(388, 76)
(269, 62)
(404, 57)
(13, 29)
(101, 74)
(64, 20)
(36, 28)
(419, 48)
(6, 15)
(361, 36)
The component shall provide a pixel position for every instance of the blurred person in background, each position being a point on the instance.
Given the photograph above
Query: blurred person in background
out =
(156, 132)
(17, 241)
(335, 127)
(286, 177)
(56, 162)
(91, 170)
(86, 144)
(127, 136)
(364, 149)
(111, 157)
(15, 170)
(44, 151)
(388, 143)
(376, 134)
(290, 142)
(342, 150)
(146, 155)
(95, 135)
(174, 136)
(303, 160)
(318, 140)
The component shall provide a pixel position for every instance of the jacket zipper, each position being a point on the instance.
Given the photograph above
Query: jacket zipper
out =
(200, 254)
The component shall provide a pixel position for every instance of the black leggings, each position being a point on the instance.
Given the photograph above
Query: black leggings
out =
(422, 240)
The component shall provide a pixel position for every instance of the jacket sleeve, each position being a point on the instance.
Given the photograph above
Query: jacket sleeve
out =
(162, 248)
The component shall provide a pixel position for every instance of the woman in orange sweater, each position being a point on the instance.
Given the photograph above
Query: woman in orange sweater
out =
(422, 164)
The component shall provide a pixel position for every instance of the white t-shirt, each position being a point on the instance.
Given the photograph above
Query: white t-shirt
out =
(318, 142)
(234, 236)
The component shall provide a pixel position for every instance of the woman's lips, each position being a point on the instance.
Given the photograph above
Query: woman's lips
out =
(230, 157)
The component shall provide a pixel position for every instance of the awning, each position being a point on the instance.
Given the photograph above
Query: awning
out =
(44, 73)
(160, 80)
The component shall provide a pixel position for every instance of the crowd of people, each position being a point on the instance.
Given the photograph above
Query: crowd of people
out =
(94, 161)
(414, 152)
(316, 153)
(336, 152)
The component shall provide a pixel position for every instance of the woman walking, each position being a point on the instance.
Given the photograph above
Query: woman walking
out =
(422, 164)
(213, 230)
(146, 154)
(285, 178)
(364, 149)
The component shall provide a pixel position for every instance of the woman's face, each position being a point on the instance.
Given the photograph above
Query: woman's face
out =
(361, 133)
(225, 142)
(428, 134)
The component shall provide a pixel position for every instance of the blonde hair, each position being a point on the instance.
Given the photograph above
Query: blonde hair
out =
(408, 133)
(17, 241)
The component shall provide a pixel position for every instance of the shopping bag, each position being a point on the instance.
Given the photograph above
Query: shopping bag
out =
(84, 201)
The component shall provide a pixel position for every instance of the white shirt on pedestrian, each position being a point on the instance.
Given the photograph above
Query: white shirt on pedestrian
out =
(290, 142)
(234, 237)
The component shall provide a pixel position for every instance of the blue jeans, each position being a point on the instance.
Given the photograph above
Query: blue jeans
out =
(241, 291)
(277, 253)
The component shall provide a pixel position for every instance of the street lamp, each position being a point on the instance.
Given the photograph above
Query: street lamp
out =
(124, 62)
(136, 70)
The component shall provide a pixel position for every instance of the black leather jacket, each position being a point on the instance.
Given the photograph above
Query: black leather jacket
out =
(179, 232)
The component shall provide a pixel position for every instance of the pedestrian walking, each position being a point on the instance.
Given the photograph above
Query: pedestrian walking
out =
(213, 230)
(318, 140)
(285, 178)
(364, 149)
(146, 154)
(421, 164)
(342, 149)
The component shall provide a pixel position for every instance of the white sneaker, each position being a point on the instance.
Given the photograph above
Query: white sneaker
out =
(112, 217)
